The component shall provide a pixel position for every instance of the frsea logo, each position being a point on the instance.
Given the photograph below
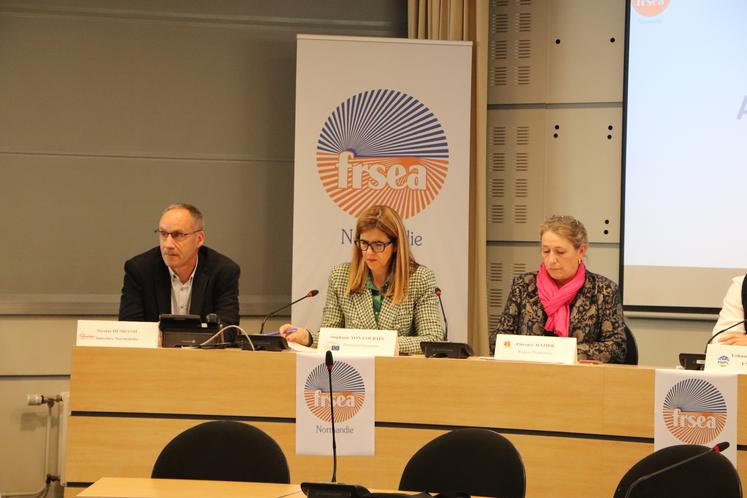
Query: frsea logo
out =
(382, 147)
(694, 411)
(649, 8)
(348, 392)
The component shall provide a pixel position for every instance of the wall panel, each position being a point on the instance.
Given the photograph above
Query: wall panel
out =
(516, 171)
(585, 49)
(517, 52)
(583, 168)
(113, 110)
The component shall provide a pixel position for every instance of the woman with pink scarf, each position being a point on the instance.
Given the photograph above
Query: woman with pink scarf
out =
(564, 299)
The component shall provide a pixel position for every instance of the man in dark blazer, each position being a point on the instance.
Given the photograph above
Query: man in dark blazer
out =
(181, 276)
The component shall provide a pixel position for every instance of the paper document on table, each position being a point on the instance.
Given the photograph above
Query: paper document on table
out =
(300, 348)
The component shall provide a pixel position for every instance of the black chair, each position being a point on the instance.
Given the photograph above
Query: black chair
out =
(631, 355)
(473, 461)
(710, 475)
(223, 451)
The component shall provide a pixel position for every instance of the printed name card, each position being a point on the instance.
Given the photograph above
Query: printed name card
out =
(726, 358)
(536, 348)
(358, 341)
(113, 334)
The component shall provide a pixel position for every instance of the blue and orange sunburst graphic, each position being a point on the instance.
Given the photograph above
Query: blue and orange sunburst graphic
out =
(347, 384)
(382, 147)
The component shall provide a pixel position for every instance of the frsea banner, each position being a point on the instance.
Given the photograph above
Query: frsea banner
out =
(382, 121)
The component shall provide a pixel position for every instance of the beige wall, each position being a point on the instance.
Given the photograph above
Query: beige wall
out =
(34, 359)
(35, 355)
(661, 340)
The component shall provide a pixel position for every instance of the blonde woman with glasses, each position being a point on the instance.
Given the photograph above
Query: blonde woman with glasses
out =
(383, 287)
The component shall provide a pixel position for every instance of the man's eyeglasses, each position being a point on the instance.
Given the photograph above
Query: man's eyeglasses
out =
(363, 245)
(175, 236)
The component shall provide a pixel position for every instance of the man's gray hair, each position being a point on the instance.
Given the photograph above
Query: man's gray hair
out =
(199, 222)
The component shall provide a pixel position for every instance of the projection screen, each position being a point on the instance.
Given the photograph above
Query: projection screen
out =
(684, 168)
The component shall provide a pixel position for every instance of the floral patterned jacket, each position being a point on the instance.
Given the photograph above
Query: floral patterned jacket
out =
(596, 317)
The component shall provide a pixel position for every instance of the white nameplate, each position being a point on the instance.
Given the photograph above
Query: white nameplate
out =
(358, 341)
(537, 348)
(105, 333)
(725, 358)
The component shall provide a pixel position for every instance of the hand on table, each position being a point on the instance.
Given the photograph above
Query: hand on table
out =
(295, 334)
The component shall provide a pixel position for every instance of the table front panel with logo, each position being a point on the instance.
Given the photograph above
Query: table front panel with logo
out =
(128, 403)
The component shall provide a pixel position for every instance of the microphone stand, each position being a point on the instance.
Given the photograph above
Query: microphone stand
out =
(722, 331)
(696, 361)
(333, 489)
(311, 293)
(443, 313)
(330, 364)
(445, 349)
(270, 342)
(716, 449)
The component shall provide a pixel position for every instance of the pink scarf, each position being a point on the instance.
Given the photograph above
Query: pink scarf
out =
(556, 301)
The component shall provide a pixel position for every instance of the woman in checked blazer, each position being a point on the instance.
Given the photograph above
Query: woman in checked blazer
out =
(383, 287)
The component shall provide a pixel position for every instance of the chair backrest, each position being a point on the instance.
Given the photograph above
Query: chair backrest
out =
(710, 475)
(631, 355)
(223, 451)
(473, 461)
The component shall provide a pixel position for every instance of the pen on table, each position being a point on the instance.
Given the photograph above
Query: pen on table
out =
(277, 332)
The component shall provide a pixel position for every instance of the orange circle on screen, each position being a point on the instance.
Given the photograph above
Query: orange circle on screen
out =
(649, 8)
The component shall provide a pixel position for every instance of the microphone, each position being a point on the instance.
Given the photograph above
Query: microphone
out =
(444, 348)
(329, 362)
(716, 449)
(720, 447)
(311, 293)
(724, 330)
(443, 313)
(696, 361)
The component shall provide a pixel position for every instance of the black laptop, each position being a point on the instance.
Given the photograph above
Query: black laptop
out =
(180, 331)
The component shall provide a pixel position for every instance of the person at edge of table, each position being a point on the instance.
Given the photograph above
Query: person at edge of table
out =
(181, 276)
(732, 313)
(564, 299)
(383, 287)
